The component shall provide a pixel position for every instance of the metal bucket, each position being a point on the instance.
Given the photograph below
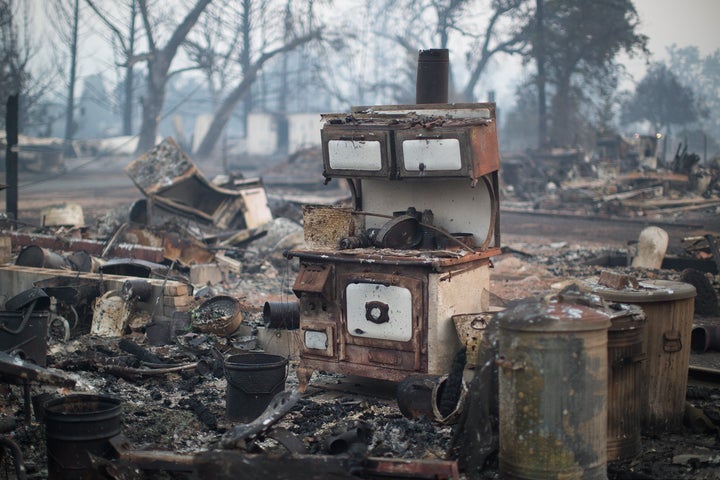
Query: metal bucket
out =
(22, 334)
(552, 391)
(253, 379)
(76, 426)
(626, 389)
(669, 308)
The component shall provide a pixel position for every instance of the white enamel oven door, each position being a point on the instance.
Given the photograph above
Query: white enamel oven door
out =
(383, 311)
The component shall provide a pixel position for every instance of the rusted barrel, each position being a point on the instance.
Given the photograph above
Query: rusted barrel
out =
(552, 380)
(34, 256)
(76, 426)
(626, 389)
(669, 308)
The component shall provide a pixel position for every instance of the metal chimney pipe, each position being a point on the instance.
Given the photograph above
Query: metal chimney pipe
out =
(432, 76)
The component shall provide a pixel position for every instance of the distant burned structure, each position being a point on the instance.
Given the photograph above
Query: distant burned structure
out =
(638, 151)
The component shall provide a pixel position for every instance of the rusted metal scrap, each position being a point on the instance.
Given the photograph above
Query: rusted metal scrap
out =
(91, 247)
(280, 405)
(174, 186)
(176, 243)
(13, 368)
(118, 367)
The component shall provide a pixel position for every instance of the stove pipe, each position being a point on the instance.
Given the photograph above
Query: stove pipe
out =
(432, 76)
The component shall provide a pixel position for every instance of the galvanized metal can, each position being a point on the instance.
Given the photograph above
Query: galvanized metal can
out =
(669, 307)
(626, 389)
(552, 380)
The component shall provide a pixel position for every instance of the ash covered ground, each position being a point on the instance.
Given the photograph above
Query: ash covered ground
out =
(184, 411)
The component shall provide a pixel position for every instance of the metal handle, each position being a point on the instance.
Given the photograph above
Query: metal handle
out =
(672, 341)
(353, 138)
(430, 137)
(23, 322)
(377, 312)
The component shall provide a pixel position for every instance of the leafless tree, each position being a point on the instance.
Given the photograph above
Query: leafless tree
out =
(159, 55)
(578, 44)
(17, 50)
(483, 29)
(67, 24)
(236, 60)
(122, 25)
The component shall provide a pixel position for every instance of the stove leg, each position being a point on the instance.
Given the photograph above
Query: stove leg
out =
(303, 375)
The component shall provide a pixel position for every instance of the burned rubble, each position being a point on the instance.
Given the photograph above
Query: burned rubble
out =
(388, 333)
(173, 406)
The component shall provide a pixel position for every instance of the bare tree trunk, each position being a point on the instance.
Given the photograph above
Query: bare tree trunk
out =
(563, 128)
(152, 107)
(158, 61)
(228, 105)
(128, 104)
(245, 61)
(11, 155)
(540, 59)
(222, 116)
(70, 112)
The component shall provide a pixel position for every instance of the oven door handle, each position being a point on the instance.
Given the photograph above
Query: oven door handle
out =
(377, 312)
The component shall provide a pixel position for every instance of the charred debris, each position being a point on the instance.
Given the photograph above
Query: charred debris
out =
(389, 336)
(622, 177)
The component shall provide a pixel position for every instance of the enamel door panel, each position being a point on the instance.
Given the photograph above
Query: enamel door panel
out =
(431, 155)
(465, 151)
(355, 152)
(377, 311)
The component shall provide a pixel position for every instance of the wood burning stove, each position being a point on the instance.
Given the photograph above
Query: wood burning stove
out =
(379, 283)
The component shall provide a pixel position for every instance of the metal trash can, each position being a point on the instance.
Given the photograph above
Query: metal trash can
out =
(552, 391)
(626, 388)
(669, 308)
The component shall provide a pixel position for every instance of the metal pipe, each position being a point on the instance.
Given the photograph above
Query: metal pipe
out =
(285, 315)
(704, 338)
(432, 76)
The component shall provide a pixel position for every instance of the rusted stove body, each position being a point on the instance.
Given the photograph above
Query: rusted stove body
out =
(383, 312)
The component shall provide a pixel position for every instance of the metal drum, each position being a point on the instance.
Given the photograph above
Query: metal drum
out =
(78, 427)
(626, 390)
(552, 380)
(669, 308)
